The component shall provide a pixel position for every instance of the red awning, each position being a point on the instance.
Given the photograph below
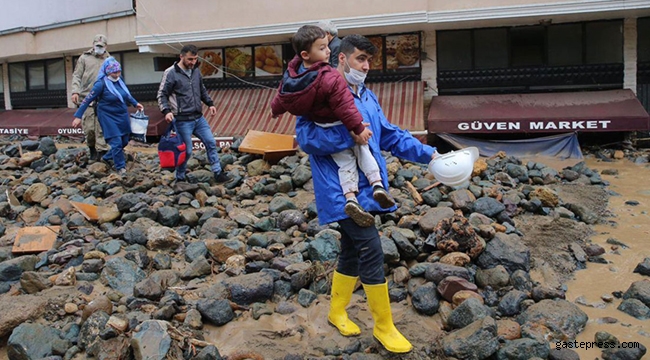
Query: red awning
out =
(589, 111)
(243, 109)
(53, 122)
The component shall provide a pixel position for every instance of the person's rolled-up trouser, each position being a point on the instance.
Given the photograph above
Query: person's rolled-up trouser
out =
(202, 130)
(118, 143)
(361, 253)
(348, 159)
(93, 131)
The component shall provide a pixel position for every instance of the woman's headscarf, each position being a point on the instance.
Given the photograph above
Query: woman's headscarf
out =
(109, 66)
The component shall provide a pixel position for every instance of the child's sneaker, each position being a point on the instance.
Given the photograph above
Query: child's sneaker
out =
(382, 197)
(358, 214)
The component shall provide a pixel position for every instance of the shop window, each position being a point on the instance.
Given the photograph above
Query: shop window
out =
(2, 80)
(527, 46)
(491, 48)
(457, 54)
(36, 76)
(55, 74)
(17, 79)
(643, 40)
(604, 42)
(565, 44)
(138, 68)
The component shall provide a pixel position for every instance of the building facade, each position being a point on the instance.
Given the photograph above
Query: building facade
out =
(429, 48)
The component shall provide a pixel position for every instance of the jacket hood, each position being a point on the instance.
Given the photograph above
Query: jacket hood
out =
(298, 89)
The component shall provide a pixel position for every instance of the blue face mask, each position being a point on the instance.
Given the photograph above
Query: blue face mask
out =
(353, 76)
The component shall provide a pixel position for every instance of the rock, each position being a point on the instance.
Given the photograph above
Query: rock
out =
(19, 309)
(496, 277)
(643, 267)
(510, 304)
(639, 290)
(475, 341)
(326, 246)
(468, 312)
(625, 353)
(34, 341)
(547, 196)
(463, 295)
(540, 293)
(221, 250)
(217, 312)
(585, 215)
(100, 303)
(635, 308)
(432, 217)
(47, 146)
(36, 193)
(506, 250)
(149, 289)
(563, 354)
(280, 203)
(151, 341)
(289, 218)
(32, 282)
(197, 268)
(456, 259)
(162, 237)
(488, 206)
(523, 349)
(508, 329)
(450, 285)
(306, 297)
(425, 299)
(193, 319)
(250, 288)
(560, 316)
(437, 271)
(121, 275)
(520, 280)
(195, 250)
(91, 328)
(209, 352)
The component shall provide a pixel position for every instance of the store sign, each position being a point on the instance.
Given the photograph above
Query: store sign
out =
(14, 131)
(70, 131)
(526, 126)
(222, 142)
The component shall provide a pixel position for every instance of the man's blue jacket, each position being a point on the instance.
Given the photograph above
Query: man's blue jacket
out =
(320, 143)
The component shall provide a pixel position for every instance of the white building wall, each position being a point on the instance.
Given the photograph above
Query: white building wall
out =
(629, 53)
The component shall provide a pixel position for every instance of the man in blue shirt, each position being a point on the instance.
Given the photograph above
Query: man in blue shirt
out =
(361, 253)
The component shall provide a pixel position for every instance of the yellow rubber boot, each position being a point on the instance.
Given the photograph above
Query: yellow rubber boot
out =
(385, 331)
(342, 288)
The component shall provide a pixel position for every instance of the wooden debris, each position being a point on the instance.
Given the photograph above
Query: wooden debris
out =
(414, 193)
(35, 239)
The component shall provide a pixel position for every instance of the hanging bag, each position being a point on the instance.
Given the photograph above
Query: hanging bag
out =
(139, 125)
(171, 148)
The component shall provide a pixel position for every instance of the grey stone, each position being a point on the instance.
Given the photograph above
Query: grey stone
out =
(436, 272)
(643, 267)
(151, 341)
(510, 304)
(523, 349)
(563, 318)
(122, 274)
(250, 288)
(467, 312)
(639, 290)
(325, 247)
(425, 299)
(34, 341)
(91, 328)
(476, 341)
(217, 312)
(306, 297)
(488, 206)
(506, 250)
(636, 308)
(195, 250)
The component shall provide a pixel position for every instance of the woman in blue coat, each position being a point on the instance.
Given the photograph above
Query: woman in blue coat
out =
(112, 98)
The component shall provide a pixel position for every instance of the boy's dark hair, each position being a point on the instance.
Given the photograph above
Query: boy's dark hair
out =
(351, 42)
(305, 37)
(189, 49)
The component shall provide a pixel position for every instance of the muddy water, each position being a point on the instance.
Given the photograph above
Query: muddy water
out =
(632, 228)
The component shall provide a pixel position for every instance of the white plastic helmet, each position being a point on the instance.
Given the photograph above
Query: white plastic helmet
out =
(455, 167)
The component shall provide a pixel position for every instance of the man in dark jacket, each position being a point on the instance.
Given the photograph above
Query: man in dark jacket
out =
(333, 39)
(180, 98)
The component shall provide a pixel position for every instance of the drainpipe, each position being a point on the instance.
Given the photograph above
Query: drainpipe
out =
(629, 54)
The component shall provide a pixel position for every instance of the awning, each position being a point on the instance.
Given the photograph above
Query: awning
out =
(53, 122)
(612, 110)
(239, 110)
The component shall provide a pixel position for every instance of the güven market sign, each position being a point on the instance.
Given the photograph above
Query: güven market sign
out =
(526, 126)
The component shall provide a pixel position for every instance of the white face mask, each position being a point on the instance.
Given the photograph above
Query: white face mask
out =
(99, 50)
(114, 79)
(354, 76)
